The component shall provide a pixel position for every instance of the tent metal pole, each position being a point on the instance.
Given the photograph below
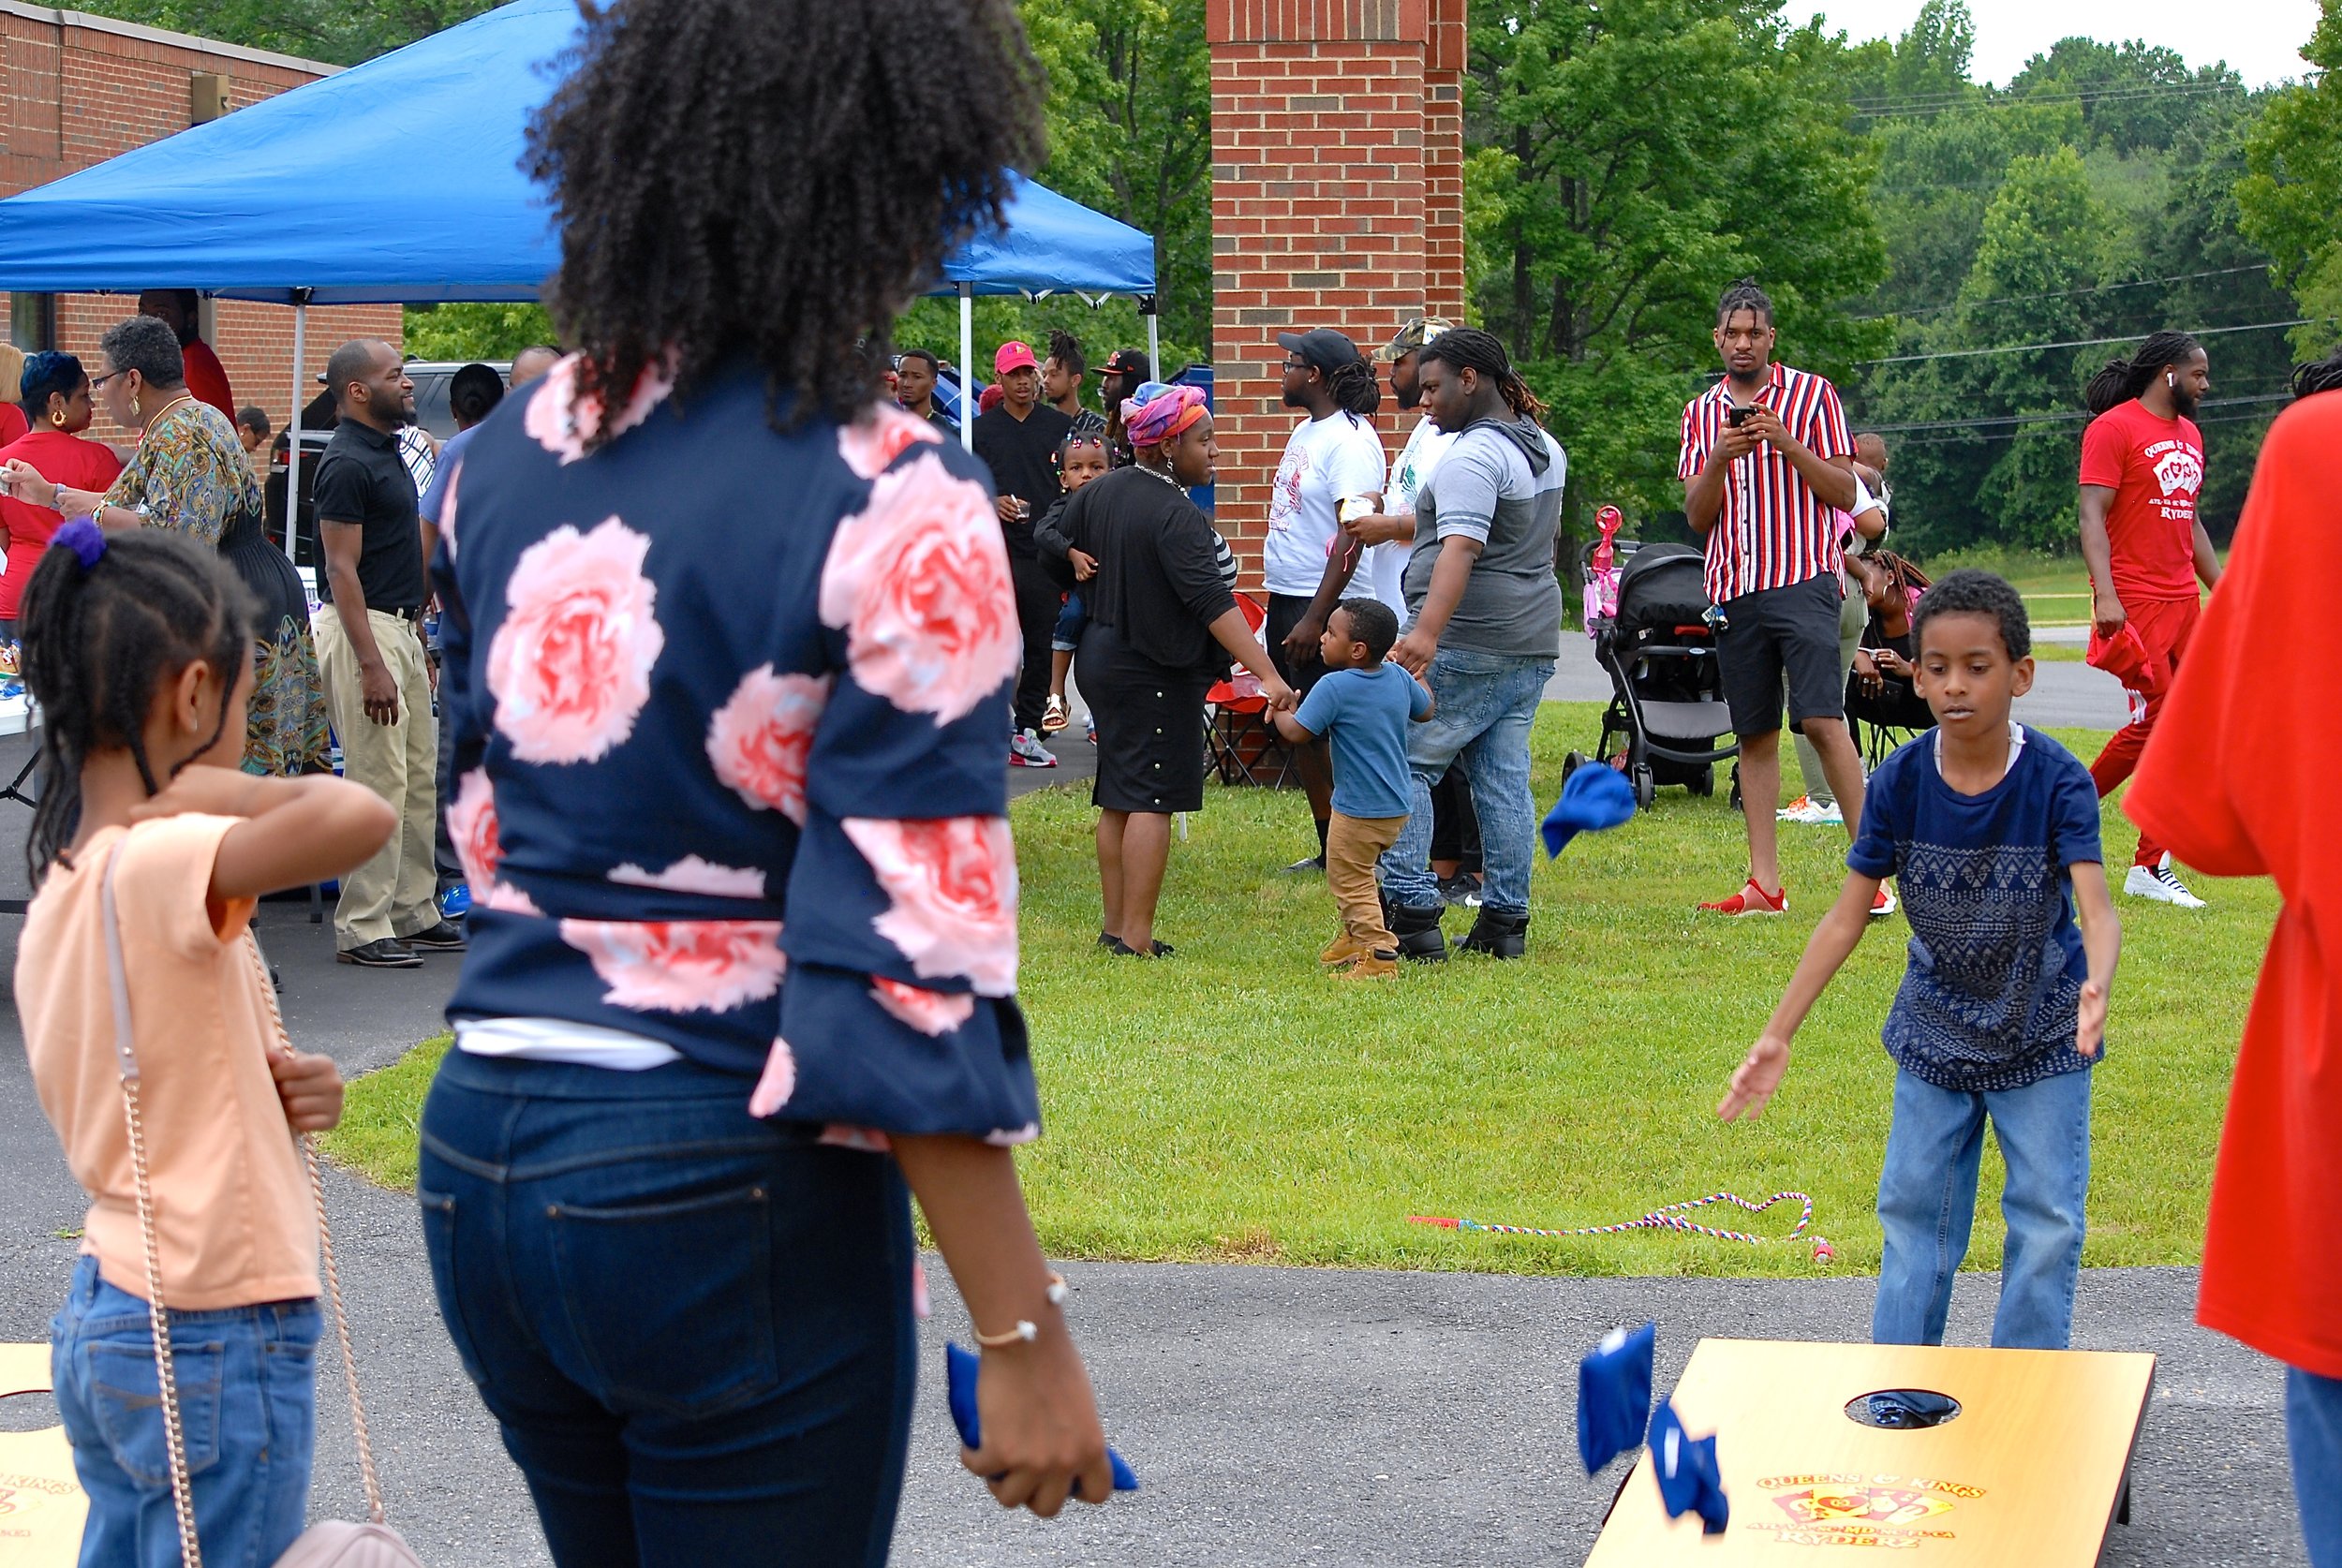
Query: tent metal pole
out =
(966, 361)
(292, 437)
(1154, 334)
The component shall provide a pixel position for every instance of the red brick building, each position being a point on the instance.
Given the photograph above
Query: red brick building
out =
(1336, 133)
(76, 89)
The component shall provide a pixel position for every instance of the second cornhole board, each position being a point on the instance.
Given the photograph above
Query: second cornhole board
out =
(2030, 1474)
(41, 1505)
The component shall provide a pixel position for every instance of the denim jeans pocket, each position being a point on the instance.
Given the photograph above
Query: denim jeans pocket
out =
(126, 1396)
(440, 1243)
(672, 1302)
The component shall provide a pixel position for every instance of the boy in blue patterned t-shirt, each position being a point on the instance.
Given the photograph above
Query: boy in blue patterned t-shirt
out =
(1991, 830)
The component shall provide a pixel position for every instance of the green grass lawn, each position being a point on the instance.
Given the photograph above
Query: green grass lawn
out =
(1233, 1103)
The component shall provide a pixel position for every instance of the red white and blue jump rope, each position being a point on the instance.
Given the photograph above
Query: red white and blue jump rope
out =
(1668, 1217)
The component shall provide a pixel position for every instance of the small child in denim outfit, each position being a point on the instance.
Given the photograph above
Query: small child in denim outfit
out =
(1991, 829)
(1079, 459)
(1363, 706)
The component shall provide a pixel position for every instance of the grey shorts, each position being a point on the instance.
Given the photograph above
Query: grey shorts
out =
(1777, 632)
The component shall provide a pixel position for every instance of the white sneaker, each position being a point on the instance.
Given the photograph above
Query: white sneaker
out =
(1809, 812)
(2159, 883)
(1795, 811)
(1024, 751)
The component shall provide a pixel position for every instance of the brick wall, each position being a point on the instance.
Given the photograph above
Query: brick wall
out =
(78, 89)
(1337, 202)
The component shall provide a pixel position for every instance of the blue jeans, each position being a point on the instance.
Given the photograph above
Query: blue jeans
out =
(1066, 636)
(1927, 1206)
(248, 1406)
(693, 1327)
(1485, 705)
(2313, 1431)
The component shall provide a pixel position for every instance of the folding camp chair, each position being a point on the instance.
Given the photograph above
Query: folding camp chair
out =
(1241, 742)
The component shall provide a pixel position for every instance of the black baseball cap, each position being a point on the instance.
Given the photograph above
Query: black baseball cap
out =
(1129, 361)
(1322, 347)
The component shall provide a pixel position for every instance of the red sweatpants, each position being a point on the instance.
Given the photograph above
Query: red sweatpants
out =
(2164, 625)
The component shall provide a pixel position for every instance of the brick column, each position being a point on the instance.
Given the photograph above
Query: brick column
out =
(1337, 202)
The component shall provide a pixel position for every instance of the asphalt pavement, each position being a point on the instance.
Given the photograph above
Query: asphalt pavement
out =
(1275, 1416)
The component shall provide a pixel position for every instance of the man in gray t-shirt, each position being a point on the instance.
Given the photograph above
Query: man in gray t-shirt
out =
(1484, 627)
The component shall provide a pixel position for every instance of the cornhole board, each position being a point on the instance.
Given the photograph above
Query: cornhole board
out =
(2031, 1473)
(41, 1505)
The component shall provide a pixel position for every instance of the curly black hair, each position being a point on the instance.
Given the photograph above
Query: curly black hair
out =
(765, 178)
(1970, 592)
(2120, 380)
(2318, 376)
(100, 639)
(143, 344)
(1470, 348)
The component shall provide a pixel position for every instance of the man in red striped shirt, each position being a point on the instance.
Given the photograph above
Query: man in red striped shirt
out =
(1767, 464)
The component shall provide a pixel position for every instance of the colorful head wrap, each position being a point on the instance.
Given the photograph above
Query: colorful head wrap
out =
(1164, 416)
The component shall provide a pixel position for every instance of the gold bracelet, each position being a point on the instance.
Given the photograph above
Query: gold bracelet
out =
(1026, 1331)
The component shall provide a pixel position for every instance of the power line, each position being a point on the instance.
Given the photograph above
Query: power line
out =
(2077, 343)
(2011, 434)
(2131, 93)
(2055, 418)
(2060, 293)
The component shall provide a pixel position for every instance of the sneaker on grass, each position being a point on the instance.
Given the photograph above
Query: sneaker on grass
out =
(1024, 751)
(1751, 900)
(1808, 812)
(2159, 884)
(1886, 903)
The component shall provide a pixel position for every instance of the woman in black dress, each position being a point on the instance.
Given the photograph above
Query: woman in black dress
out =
(1163, 626)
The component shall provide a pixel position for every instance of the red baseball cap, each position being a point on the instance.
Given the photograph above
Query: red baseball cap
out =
(1014, 355)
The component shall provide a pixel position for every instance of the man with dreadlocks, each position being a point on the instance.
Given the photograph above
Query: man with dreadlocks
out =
(2141, 470)
(1484, 614)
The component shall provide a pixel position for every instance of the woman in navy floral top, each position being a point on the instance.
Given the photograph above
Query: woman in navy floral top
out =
(728, 652)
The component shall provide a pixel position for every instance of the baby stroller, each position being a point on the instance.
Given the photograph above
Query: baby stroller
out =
(1885, 716)
(1666, 707)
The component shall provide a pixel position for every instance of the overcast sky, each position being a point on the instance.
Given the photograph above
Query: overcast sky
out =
(2261, 38)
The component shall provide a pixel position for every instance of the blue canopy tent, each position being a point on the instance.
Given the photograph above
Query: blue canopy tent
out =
(399, 180)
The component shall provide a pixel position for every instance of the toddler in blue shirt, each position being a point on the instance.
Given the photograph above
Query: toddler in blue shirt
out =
(1362, 706)
(1991, 830)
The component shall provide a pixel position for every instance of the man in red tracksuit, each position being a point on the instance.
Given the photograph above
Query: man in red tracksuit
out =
(2141, 470)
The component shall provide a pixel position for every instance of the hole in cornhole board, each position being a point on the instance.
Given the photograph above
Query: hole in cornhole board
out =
(1903, 1410)
(1808, 1476)
(41, 1505)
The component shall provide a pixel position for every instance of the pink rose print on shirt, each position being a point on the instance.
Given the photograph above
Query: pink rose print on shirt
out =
(919, 581)
(759, 738)
(876, 439)
(1009, 1137)
(868, 1140)
(953, 885)
(569, 667)
(778, 1083)
(681, 966)
(563, 429)
(508, 899)
(471, 825)
(693, 875)
(932, 1013)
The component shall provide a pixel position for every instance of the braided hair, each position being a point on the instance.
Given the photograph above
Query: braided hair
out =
(1470, 348)
(1743, 295)
(100, 641)
(2319, 375)
(2120, 380)
(1355, 389)
(831, 201)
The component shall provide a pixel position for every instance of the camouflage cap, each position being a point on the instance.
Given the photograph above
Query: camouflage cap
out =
(1418, 331)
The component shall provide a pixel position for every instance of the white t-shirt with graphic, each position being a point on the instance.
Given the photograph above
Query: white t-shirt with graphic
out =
(1327, 460)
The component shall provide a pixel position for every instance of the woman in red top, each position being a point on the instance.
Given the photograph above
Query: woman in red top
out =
(57, 400)
(2239, 779)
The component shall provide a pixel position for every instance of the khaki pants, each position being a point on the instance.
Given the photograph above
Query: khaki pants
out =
(1353, 844)
(393, 894)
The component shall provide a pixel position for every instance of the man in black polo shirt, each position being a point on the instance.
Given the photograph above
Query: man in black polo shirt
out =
(1017, 441)
(370, 635)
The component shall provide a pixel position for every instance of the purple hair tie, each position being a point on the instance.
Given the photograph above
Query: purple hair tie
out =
(86, 538)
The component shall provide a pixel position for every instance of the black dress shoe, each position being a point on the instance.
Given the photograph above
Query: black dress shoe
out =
(388, 953)
(446, 937)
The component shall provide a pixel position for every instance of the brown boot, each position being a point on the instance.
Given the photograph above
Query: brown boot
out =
(1372, 966)
(1341, 950)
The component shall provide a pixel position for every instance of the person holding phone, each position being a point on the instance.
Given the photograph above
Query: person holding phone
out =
(1768, 465)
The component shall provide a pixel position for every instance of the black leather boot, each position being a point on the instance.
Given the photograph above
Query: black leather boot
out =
(1419, 933)
(1498, 935)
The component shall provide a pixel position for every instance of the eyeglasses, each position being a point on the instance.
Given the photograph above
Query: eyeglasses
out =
(97, 381)
(1297, 364)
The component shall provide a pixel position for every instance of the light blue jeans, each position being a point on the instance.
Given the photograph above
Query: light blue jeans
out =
(1927, 1206)
(2313, 1431)
(1486, 704)
(248, 1405)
